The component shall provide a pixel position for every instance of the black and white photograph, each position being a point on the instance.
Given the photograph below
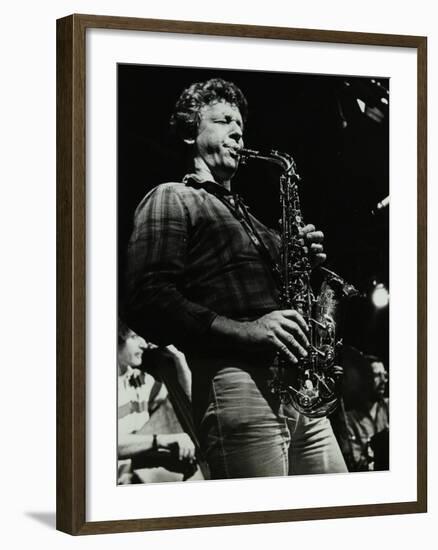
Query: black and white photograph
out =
(253, 274)
(218, 277)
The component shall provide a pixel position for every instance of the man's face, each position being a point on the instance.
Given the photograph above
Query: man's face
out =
(219, 138)
(379, 379)
(131, 352)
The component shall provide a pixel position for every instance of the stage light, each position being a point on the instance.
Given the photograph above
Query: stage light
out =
(380, 296)
(373, 113)
(361, 104)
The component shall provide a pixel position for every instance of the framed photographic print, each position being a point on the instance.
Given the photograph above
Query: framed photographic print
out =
(241, 256)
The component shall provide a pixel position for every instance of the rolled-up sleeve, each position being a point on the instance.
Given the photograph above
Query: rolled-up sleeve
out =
(156, 306)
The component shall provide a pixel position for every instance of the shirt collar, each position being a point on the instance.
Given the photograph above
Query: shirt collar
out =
(196, 181)
(128, 372)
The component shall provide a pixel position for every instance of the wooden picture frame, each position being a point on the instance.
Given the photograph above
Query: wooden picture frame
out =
(71, 272)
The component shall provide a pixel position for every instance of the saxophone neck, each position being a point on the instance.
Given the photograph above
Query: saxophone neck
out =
(283, 160)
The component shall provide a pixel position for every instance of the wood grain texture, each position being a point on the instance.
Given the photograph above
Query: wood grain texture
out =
(422, 276)
(71, 273)
(247, 31)
(71, 266)
(247, 518)
(64, 273)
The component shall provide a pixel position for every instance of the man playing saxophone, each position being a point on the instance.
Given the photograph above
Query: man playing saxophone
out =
(199, 275)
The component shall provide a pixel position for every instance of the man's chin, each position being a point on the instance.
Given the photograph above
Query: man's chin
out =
(226, 174)
(232, 167)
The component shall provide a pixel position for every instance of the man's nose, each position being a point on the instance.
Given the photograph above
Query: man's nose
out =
(142, 343)
(236, 132)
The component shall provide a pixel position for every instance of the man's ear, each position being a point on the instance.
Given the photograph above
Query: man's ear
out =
(189, 141)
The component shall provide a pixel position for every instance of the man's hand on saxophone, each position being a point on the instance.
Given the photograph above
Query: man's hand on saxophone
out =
(283, 331)
(313, 240)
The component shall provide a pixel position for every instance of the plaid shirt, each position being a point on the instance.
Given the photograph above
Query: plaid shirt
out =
(189, 260)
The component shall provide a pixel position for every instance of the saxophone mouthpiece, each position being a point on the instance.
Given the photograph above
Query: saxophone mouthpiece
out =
(246, 154)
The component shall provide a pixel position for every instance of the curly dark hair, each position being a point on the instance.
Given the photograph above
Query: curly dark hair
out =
(123, 331)
(186, 116)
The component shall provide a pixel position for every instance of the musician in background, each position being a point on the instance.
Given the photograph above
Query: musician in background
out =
(366, 439)
(199, 275)
(139, 394)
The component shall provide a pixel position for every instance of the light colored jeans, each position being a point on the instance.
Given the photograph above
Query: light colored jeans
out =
(243, 434)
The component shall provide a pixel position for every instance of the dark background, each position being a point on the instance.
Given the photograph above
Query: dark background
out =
(342, 156)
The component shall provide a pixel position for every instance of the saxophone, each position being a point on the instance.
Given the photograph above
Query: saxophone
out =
(310, 386)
